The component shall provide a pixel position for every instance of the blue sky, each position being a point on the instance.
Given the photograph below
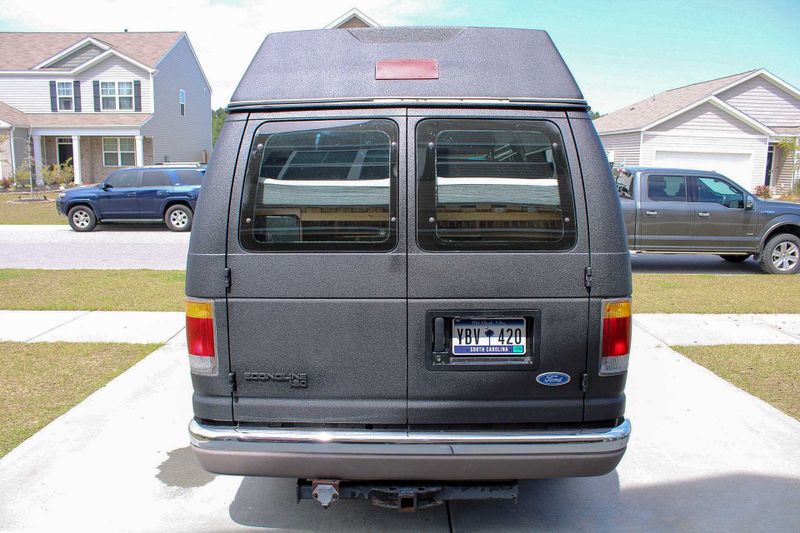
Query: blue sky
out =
(619, 51)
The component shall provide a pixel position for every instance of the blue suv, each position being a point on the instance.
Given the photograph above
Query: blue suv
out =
(143, 194)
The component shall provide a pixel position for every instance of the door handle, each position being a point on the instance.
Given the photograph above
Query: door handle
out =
(704, 214)
(651, 213)
(131, 194)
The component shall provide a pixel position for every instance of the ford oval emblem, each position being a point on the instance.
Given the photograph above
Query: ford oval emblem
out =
(553, 379)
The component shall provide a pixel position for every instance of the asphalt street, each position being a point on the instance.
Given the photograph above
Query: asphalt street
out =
(154, 247)
(704, 456)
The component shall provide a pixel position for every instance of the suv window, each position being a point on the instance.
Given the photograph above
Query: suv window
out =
(189, 177)
(155, 178)
(666, 188)
(128, 178)
(493, 185)
(321, 185)
(719, 191)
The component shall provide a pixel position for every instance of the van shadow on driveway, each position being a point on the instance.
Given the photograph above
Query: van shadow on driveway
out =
(738, 502)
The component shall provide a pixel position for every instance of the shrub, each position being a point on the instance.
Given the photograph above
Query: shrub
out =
(57, 175)
(6, 183)
(762, 191)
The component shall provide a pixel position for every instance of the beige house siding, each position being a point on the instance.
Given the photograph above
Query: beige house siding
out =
(785, 168)
(79, 57)
(625, 147)
(112, 69)
(180, 138)
(705, 119)
(765, 102)
(29, 95)
(5, 153)
(755, 146)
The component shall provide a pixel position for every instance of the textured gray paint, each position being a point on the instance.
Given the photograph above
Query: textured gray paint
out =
(181, 138)
(473, 62)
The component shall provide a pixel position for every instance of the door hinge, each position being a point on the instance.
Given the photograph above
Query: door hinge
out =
(227, 278)
(584, 382)
(232, 381)
(587, 277)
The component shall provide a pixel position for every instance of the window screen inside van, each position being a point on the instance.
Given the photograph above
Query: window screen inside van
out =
(321, 185)
(493, 185)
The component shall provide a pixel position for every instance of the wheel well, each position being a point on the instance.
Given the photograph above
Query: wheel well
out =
(175, 202)
(794, 229)
(81, 204)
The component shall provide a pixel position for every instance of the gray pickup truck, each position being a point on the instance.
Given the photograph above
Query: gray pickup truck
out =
(691, 211)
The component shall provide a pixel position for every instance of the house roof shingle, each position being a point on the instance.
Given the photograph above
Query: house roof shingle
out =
(12, 115)
(87, 119)
(23, 51)
(647, 111)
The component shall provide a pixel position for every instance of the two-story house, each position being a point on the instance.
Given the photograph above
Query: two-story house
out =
(744, 126)
(101, 101)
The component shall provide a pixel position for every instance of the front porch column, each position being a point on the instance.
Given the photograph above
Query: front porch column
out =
(38, 160)
(139, 150)
(76, 158)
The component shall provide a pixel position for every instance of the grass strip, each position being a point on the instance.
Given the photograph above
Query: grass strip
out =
(41, 381)
(769, 371)
(92, 290)
(709, 293)
(29, 212)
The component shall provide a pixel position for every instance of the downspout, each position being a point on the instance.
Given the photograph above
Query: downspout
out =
(13, 155)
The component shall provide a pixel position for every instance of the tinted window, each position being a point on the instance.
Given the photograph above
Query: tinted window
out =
(189, 177)
(321, 185)
(666, 188)
(493, 185)
(155, 178)
(719, 191)
(123, 179)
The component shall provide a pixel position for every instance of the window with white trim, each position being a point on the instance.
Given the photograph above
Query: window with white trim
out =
(182, 101)
(116, 95)
(119, 152)
(66, 98)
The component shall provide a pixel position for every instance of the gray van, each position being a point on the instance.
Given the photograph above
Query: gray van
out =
(408, 279)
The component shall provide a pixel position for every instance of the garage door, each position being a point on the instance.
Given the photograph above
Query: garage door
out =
(738, 167)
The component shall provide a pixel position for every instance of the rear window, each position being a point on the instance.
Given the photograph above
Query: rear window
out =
(666, 188)
(189, 177)
(321, 185)
(493, 185)
(155, 178)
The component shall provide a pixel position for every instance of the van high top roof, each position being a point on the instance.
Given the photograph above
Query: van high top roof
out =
(459, 66)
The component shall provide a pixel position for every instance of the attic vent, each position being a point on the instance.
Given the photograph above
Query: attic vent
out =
(405, 35)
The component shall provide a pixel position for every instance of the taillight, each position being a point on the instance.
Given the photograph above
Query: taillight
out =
(616, 340)
(200, 337)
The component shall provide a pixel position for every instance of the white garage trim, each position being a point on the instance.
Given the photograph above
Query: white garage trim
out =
(737, 166)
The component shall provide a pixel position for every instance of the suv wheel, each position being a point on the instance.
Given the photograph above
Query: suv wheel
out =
(781, 255)
(82, 218)
(178, 218)
(735, 258)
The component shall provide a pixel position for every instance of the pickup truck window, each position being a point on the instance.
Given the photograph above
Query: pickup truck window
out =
(718, 191)
(493, 185)
(666, 188)
(321, 185)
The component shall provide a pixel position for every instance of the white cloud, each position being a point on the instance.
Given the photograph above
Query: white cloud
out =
(225, 33)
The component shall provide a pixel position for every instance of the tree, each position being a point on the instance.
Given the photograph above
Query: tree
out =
(217, 118)
(594, 114)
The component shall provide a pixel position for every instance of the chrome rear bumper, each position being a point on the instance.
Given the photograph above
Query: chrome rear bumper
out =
(419, 455)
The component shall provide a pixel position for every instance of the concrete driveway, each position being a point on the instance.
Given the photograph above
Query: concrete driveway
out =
(703, 456)
(58, 247)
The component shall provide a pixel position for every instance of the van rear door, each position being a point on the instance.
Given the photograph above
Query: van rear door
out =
(497, 252)
(317, 302)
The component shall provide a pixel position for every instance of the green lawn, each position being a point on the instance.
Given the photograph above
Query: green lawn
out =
(92, 290)
(41, 381)
(708, 293)
(771, 372)
(29, 213)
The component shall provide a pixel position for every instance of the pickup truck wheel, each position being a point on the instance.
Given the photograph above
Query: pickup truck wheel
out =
(178, 218)
(82, 218)
(781, 255)
(735, 258)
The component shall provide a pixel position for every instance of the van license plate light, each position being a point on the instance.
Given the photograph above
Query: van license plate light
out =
(490, 337)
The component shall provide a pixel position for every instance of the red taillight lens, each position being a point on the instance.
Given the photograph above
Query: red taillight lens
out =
(200, 337)
(617, 325)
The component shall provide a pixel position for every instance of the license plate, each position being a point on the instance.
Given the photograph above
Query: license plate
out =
(507, 336)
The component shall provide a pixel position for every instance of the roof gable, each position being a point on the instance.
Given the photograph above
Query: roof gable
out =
(354, 18)
(766, 99)
(643, 113)
(21, 51)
